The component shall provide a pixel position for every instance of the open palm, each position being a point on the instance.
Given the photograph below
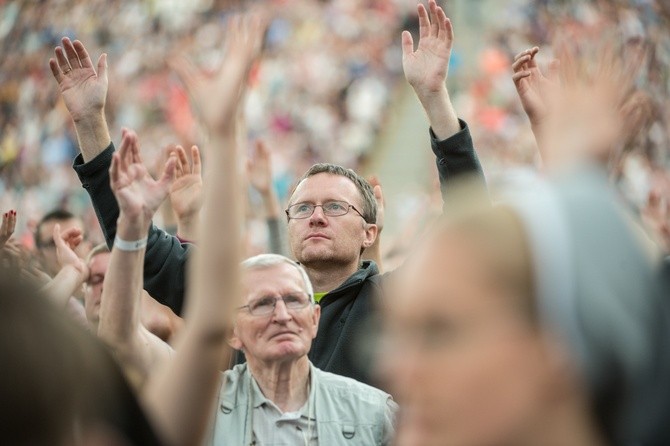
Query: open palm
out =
(532, 86)
(186, 194)
(84, 90)
(426, 68)
(136, 192)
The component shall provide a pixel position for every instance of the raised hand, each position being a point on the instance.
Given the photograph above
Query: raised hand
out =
(215, 97)
(426, 68)
(84, 90)
(586, 119)
(7, 227)
(186, 193)
(259, 169)
(136, 192)
(66, 243)
(533, 87)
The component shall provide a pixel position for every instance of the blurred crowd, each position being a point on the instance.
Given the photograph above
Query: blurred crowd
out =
(143, 287)
(322, 92)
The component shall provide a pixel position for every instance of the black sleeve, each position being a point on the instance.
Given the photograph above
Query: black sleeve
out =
(456, 159)
(165, 258)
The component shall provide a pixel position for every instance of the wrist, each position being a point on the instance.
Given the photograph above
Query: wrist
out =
(80, 272)
(132, 227)
(90, 118)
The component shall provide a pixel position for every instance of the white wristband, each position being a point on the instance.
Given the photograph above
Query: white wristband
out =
(124, 245)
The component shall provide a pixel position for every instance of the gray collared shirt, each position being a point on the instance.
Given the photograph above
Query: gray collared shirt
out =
(272, 427)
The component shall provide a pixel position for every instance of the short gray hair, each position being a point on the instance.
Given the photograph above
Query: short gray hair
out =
(267, 260)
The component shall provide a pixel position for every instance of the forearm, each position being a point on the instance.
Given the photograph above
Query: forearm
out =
(440, 111)
(120, 305)
(186, 391)
(222, 214)
(64, 285)
(165, 257)
(92, 135)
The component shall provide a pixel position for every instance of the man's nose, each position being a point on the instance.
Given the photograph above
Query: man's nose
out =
(318, 218)
(281, 313)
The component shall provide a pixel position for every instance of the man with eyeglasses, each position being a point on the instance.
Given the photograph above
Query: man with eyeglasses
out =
(331, 214)
(278, 396)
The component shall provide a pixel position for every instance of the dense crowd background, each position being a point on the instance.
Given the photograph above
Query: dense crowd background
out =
(323, 93)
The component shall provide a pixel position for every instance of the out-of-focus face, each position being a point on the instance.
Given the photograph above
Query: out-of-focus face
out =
(284, 334)
(47, 248)
(464, 363)
(93, 291)
(323, 239)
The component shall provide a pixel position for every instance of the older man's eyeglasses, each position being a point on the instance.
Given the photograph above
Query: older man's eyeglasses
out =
(265, 306)
(330, 209)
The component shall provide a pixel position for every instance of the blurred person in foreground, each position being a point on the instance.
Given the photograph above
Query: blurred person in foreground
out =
(331, 215)
(544, 318)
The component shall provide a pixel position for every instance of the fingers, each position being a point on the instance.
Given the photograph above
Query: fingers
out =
(424, 21)
(124, 150)
(55, 70)
(197, 162)
(58, 240)
(61, 59)
(114, 170)
(441, 24)
(186, 71)
(520, 63)
(434, 25)
(169, 172)
(102, 66)
(407, 44)
(520, 75)
(182, 160)
(71, 53)
(73, 237)
(12, 222)
(449, 29)
(181, 163)
(82, 54)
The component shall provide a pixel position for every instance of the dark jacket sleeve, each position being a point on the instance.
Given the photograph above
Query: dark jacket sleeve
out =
(456, 160)
(165, 258)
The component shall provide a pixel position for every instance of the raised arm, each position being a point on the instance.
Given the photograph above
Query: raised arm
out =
(73, 272)
(259, 171)
(139, 196)
(426, 70)
(182, 396)
(186, 193)
(84, 92)
(534, 90)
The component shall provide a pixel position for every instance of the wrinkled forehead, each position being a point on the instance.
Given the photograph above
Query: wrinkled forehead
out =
(326, 186)
(272, 280)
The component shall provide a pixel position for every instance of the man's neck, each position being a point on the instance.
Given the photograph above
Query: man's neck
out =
(325, 278)
(285, 384)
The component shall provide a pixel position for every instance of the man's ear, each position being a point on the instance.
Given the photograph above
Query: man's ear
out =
(371, 232)
(235, 342)
(316, 316)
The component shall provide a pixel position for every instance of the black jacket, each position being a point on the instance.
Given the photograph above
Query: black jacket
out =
(345, 310)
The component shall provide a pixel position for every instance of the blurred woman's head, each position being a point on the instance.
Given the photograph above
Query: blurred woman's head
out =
(490, 330)
(59, 385)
